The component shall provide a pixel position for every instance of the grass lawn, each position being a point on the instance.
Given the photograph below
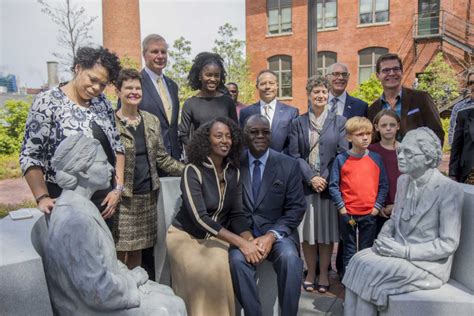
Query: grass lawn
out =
(6, 208)
(9, 167)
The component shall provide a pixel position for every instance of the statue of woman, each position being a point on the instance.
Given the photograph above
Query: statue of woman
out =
(83, 273)
(414, 250)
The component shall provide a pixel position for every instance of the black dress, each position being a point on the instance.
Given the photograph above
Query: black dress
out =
(199, 110)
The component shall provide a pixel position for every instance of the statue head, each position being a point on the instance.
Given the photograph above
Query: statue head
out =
(81, 159)
(419, 151)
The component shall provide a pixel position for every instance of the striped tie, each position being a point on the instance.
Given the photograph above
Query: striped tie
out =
(267, 108)
(333, 106)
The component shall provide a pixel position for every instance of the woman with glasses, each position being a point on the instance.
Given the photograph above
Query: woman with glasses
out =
(315, 140)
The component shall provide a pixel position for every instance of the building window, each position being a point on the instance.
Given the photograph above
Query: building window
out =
(326, 11)
(281, 65)
(367, 59)
(373, 11)
(325, 59)
(279, 16)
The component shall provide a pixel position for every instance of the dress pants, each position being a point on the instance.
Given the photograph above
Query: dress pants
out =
(288, 267)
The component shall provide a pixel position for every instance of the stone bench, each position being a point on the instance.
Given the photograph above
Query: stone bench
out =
(455, 297)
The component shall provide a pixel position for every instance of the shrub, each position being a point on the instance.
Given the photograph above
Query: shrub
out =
(13, 117)
(369, 90)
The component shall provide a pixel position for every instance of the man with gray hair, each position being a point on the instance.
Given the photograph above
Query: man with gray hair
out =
(160, 93)
(339, 100)
(160, 98)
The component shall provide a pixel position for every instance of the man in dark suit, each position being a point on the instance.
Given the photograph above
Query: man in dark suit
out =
(461, 162)
(274, 202)
(339, 100)
(279, 114)
(160, 98)
(160, 93)
(415, 108)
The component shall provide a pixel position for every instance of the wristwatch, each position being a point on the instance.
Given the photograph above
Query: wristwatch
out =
(119, 188)
(275, 235)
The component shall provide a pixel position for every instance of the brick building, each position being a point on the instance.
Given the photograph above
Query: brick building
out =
(297, 38)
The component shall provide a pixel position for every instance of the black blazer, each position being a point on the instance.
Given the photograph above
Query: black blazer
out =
(354, 107)
(151, 102)
(462, 149)
(331, 143)
(418, 110)
(280, 204)
(281, 124)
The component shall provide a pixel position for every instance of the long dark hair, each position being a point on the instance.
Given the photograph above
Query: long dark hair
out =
(200, 146)
(202, 60)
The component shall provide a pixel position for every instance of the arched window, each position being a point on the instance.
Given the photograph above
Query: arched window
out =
(325, 59)
(281, 65)
(367, 59)
(326, 11)
(279, 16)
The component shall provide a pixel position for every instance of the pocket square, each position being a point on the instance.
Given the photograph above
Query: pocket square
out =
(277, 183)
(411, 112)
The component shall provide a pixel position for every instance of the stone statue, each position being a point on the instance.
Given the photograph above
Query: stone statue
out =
(83, 273)
(415, 248)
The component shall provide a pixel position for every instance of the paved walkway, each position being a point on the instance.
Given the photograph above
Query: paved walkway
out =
(14, 191)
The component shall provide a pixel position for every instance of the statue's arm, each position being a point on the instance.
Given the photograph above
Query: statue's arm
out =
(96, 283)
(387, 229)
(450, 207)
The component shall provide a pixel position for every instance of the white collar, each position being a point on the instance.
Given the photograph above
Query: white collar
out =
(271, 104)
(153, 75)
(341, 98)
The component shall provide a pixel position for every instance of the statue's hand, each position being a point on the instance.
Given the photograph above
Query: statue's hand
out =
(140, 275)
(388, 247)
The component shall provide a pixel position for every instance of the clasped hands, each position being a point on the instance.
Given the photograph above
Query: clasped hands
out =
(255, 250)
(387, 246)
(318, 184)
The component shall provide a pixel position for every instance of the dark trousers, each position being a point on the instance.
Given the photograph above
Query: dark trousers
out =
(288, 267)
(367, 226)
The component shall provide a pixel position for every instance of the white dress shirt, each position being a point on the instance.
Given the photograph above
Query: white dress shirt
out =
(341, 102)
(154, 78)
(271, 109)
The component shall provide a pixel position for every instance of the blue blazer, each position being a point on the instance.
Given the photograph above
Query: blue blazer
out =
(280, 204)
(151, 102)
(331, 143)
(355, 107)
(281, 124)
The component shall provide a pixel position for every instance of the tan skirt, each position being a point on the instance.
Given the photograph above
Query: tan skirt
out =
(200, 273)
(135, 224)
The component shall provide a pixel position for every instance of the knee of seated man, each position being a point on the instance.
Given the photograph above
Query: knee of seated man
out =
(236, 257)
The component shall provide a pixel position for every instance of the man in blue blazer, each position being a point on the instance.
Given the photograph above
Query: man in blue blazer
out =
(279, 114)
(274, 202)
(160, 98)
(345, 105)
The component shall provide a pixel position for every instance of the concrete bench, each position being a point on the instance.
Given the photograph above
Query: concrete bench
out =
(455, 297)
(169, 203)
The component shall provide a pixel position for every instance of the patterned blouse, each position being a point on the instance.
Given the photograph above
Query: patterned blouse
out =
(53, 117)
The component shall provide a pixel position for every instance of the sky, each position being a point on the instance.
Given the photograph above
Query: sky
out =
(28, 36)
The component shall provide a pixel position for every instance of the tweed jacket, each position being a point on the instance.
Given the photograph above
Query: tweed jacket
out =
(418, 109)
(158, 157)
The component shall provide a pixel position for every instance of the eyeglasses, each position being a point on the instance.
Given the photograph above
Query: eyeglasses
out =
(386, 71)
(408, 153)
(340, 74)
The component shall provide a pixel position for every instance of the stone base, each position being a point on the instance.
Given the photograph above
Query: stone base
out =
(451, 299)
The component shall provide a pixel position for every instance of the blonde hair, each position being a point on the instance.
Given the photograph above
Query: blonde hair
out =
(358, 123)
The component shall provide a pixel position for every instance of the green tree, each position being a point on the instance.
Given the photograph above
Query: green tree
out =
(439, 80)
(12, 127)
(235, 63)
(180, 66)
(369, 90)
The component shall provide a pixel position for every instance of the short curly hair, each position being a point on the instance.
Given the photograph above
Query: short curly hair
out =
(316, 81)
(203, 59)
(127, 74)
(430, 144)
(88, 57)
(200, 146)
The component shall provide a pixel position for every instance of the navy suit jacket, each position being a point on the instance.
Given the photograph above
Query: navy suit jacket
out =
(151, 102)
(281, 124)
(280, 204)
(354, 107)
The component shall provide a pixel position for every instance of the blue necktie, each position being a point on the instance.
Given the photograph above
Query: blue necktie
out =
(333, 105)
(256, 178)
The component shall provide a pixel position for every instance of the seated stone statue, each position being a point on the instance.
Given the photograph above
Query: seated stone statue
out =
(414, 250)
(83, 273)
